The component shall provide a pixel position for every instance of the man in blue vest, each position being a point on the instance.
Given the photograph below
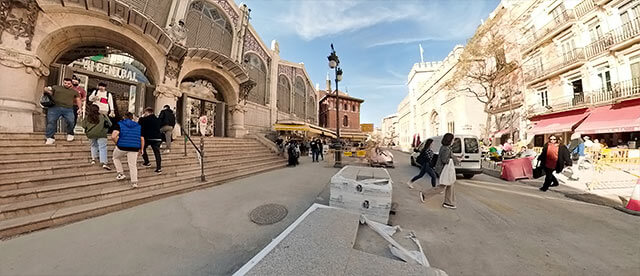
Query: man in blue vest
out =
(129, 143)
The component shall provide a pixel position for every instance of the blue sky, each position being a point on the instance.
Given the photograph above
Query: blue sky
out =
(376, 40)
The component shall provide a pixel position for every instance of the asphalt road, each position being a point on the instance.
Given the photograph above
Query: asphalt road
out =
(508, 228)
(499, 228)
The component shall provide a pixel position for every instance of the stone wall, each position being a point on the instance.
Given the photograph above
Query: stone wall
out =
(257, 118)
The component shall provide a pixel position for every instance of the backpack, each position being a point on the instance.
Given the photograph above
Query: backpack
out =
(422, 157)
(47, 100)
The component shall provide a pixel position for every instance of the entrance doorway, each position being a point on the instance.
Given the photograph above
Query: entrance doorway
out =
(201, 109)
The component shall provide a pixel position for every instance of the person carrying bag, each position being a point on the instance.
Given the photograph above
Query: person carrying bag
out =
(445, 168)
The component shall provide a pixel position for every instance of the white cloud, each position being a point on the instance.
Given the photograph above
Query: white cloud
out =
(421, 20)
(313, 19)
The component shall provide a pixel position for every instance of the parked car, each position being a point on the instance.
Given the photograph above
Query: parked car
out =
(465, 147)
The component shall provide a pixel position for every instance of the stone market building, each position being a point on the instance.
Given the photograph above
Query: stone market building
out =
(216, 65)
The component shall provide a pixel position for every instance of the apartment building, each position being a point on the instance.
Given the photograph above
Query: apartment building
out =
(581, 65)
(389, 130)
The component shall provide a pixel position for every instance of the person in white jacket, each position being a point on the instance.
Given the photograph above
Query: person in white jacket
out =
(103, 100)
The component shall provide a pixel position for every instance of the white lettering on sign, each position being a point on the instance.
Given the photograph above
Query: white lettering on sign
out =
(108, 69)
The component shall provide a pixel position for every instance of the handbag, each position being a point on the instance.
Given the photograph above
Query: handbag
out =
(47, 100)
(538, 171)
(448, 175)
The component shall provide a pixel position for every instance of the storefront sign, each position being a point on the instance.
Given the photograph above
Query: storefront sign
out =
(108, 69)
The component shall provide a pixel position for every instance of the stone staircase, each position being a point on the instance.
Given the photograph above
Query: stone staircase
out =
(49, 185)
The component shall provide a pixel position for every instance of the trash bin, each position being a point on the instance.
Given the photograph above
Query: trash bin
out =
(363, 190)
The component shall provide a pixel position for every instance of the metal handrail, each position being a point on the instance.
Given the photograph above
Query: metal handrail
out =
(200, 152)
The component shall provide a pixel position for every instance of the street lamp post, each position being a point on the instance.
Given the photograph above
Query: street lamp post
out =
(334, 63)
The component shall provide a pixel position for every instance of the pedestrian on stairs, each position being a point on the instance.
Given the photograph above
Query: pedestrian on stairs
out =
(95, 127)
(150, 125)
(64, 98)
(129, 142)
(167, 122)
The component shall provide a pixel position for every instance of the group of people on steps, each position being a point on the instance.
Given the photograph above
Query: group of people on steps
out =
(132, 136)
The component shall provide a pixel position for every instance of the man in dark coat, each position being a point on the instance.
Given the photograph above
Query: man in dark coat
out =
(167, 122)
(152, 137)
(554, 157)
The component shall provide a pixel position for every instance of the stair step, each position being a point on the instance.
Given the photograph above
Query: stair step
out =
(59, 178)
(37, 162)
(24, 224)
(49, 169)
(27, 207)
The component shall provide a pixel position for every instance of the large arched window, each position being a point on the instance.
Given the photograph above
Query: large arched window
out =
(298, 98)
(258, 73)
(157, 10)
(312, 113)
(284, 94)
(435, 124)
(208, 27)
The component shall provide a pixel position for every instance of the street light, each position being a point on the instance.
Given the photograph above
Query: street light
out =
(334, 63)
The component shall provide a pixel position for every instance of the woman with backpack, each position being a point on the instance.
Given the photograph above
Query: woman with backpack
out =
(95, 127)
(424, 159)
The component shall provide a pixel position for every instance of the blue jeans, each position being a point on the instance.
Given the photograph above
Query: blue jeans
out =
(99, 145)
(314, 155)
(426, 169)
(53, 114)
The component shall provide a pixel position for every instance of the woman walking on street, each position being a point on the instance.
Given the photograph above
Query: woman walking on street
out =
(446, 172)
(554, 156)
(424, 159)
(95, 127)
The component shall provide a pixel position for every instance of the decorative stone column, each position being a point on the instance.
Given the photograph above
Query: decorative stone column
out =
(273, 85)
(237, 129)
(166, 95)
(20, 78)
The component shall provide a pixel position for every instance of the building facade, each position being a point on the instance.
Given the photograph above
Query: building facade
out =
(431, 108)
(349, 110)
(215, 65)
(581, 68)
(389, 130)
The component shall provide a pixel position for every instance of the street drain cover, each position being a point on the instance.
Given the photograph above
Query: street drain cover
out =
(268, 214)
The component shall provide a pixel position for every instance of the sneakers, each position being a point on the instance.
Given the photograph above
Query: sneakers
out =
(146, 164)
(93, 162)
(410, 184)
(105, 166)
(69, 137)
(158, 171)
(543, 189)
(421, 197)
(167, 151)
(50, 141)
(134, 185)
(449, 206)
(120, 176)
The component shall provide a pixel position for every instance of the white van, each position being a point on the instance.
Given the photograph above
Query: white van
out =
(465, 147)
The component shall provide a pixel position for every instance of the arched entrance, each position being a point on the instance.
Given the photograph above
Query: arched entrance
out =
(435, 123)
(204, 107)
(126, 62)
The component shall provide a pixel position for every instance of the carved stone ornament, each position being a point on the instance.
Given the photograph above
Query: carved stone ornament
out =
(237, 108)
(286, 70)
(226, 7)
(14, 59)
(18, 17)
(173, 63)
(245, 89)
(252, 44)
(167, 91)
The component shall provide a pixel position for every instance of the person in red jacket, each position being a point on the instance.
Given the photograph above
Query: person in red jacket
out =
(554, 157)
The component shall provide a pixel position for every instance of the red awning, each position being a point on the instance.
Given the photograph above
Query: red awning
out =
(499, 133)
(558, 123)
(622, 117)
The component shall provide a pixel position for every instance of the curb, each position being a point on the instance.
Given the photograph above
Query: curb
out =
(630, 212)
(589, 198)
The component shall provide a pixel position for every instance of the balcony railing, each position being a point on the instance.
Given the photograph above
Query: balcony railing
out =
(539, 36)
(626, 31)
(584, 7)
(599, 46)
(556, 66)
(620, 91)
